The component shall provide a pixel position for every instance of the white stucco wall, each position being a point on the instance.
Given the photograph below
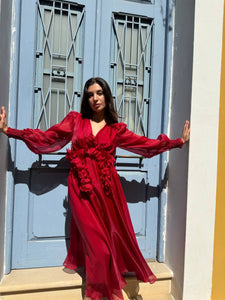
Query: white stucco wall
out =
(203, 150)
(5, 29)
(192, 178)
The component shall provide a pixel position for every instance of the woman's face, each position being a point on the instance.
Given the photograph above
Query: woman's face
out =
(96, 98)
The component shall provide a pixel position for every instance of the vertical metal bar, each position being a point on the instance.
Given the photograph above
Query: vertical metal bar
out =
(72, 46)
(138, 70)
(60, 29)
(117, 54)
(116, 71)
(118, 58)
(150, 63)
(136, 91)
(51, 60)
(116, 74)
(81, 35)
(67, 96)
(57, 106)
(120, 53)
(97, 37)
(124, 65)
(66, 67)
(131, 40)
(40, 48)
(50, 109)
(75, 63)
(129, 110)
(114, 53)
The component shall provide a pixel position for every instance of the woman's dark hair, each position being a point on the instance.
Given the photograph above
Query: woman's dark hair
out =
(110, 113)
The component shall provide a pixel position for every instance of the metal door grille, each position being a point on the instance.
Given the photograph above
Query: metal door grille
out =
(59, 57)
(131, 65)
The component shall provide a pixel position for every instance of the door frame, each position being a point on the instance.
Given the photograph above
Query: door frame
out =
(15, 37)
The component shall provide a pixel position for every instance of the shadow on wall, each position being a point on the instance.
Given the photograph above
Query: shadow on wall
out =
(41, 179)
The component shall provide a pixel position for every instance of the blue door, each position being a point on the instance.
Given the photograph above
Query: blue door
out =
(62, 45)
(135, 74)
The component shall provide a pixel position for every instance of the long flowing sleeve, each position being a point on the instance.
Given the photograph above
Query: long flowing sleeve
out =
(53, 139)
(144, 146)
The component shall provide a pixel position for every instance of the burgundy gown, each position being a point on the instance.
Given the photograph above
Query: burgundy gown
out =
(102, 235)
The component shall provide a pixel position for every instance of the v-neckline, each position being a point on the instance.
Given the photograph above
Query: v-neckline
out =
(98, 131)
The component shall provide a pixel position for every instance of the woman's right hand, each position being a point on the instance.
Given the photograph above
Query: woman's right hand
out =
(186, 132)
(3, 123)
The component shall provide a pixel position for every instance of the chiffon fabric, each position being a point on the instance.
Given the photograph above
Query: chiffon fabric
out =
(102, 235)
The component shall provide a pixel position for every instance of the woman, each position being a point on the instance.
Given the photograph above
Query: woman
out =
(102, 236)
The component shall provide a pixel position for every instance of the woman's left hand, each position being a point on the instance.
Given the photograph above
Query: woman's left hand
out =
(186, 132)
(3, 122)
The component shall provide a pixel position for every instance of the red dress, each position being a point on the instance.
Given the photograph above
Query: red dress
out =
(102, 235)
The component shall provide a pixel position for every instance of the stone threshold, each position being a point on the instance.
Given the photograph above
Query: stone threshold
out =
(59, 278)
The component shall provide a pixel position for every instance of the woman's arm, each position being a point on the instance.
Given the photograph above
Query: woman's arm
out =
(38, 141)
(149, 147)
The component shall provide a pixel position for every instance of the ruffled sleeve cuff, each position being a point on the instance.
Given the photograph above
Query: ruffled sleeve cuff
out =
(14, 133)
(178, 143)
